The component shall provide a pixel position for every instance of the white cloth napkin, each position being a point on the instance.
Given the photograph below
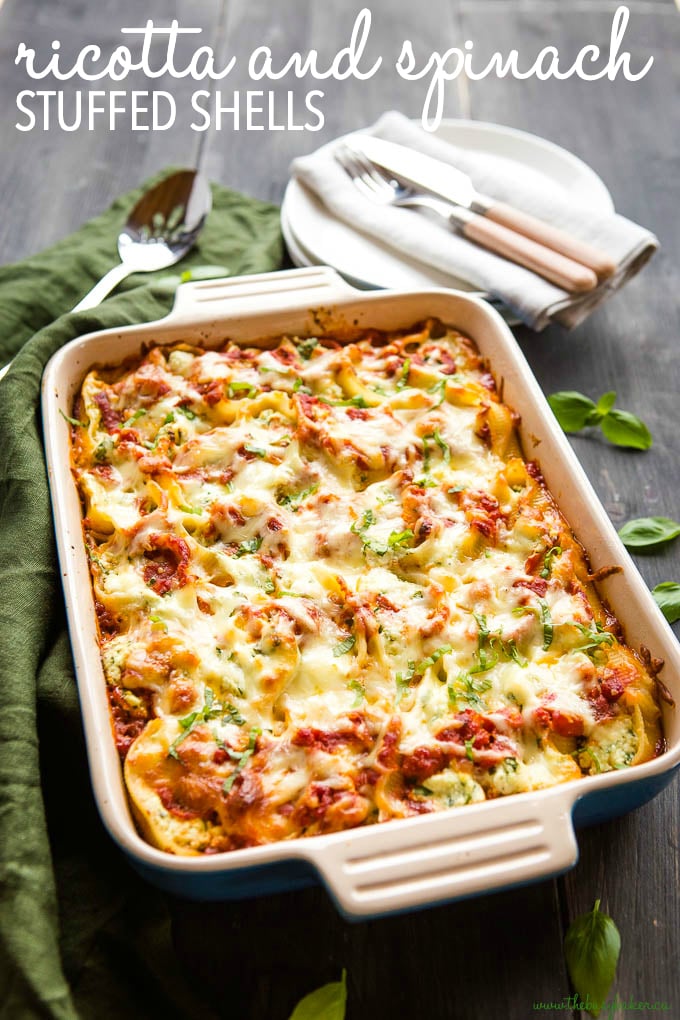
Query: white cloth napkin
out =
(534, 300)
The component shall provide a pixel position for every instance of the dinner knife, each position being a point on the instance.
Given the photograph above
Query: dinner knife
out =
(432, 175)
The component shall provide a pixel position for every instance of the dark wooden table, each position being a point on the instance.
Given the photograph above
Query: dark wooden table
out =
(491, 957)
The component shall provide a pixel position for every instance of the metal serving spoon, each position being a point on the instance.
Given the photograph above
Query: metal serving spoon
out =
(160, 230)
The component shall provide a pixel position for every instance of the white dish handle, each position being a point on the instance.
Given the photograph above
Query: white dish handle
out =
(208, 299)
(396, 866)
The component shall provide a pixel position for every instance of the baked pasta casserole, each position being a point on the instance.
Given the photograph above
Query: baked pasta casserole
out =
(331, 591)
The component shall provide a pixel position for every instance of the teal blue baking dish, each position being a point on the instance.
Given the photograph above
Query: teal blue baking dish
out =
(409, 863)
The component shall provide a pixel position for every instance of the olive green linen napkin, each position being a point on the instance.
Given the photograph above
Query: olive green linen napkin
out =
(80, 934)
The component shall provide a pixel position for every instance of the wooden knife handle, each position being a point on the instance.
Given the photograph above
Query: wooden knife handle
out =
(565, 273)
(552, 237)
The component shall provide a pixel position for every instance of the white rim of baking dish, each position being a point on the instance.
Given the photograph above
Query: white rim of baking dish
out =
(404, 863)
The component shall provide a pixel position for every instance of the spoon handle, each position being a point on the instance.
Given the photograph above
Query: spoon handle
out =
(103, 288)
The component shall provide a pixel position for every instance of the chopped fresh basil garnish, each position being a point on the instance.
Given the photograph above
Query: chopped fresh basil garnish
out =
(133, 418)
(246, 388)
(345, 646)
(556, 550)
(251, 545)
(295, 499)
(593, 638)
(402, 381)
(73, 421)
(209, 711)
(256, 450)
(241, 758)
(433, 659)
(357, 401)
(359, 692)
(399, 538)
(305, 347)
(439, 388)
(233, 715)
(469, 688)
(546, 620)
(510, 649)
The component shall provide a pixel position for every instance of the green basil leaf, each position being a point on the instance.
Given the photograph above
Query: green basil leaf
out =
(345, 646)
(327, 1003)
(591, 949)
(403, 680)
(233, 715)
(357, 401)
(605, 403)
(667, 597)
(432, 660)
(512, 652)
(546, 620)
(624, 429)
(443, 446)
(399, 538)
(72, 421)
(402, 381)
(251, 545)
(257, 451)
(242, 387)
(556, 550)
(572, 410)
(305, 347)
(646, 531)
(204, 273)
(359, 692)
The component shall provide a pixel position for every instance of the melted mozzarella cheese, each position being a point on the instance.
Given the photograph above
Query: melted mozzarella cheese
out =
(332, 592)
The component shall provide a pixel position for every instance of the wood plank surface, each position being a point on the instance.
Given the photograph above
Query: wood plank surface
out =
(53, 181)
(630, 345)
(493, 956)
(258, 164)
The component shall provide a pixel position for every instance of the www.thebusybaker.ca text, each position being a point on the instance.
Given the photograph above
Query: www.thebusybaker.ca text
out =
(607, 1009)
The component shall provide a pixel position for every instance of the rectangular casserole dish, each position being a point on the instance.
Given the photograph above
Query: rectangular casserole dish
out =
(407, 863)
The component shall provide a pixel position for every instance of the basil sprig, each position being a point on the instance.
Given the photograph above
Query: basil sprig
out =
(667, 597)
(648, 531)
(591, 948)
(326, 1003)
(574, 412)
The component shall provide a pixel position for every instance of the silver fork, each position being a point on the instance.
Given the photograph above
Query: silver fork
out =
(376, 186)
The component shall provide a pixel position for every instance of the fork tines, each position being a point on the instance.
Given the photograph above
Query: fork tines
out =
(370, 181)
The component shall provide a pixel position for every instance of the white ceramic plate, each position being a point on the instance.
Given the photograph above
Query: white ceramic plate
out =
(315, 237)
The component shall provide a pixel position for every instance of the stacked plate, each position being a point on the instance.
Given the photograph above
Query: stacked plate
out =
(314, 236)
